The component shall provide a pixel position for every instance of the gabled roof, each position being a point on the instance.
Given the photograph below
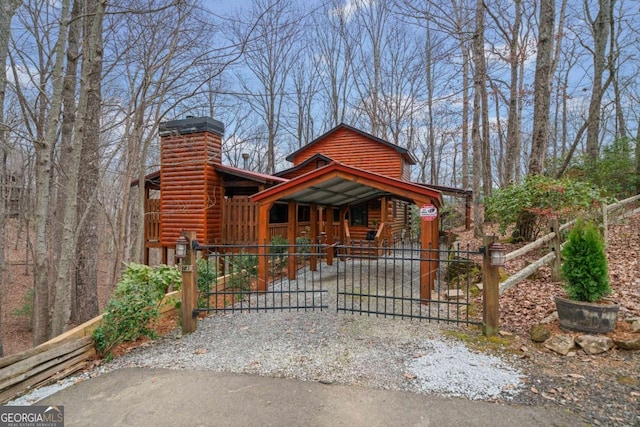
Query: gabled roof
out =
(338, 184)
(252, 176)
(402, 151)
(311, 159)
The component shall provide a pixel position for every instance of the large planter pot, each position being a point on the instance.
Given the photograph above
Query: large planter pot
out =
(586, 316)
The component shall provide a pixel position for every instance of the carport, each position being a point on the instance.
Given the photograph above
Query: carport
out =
(337, 185)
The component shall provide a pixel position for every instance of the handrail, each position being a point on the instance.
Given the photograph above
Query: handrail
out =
(531, 246)
(616, 205)
(526, 272)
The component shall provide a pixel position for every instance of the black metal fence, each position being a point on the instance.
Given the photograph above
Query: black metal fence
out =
(359, 277)
(228, 278)
(390, 281)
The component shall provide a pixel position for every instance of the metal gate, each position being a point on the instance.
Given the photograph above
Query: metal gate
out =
(390, 281)
(355, 278)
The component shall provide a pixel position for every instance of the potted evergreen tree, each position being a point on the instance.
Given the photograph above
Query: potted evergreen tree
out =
(586, 281)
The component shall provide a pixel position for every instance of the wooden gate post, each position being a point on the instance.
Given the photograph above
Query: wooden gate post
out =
(556, 264)
(189, 287)
(490, 291)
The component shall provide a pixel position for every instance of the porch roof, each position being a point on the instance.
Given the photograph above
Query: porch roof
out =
(338, 184)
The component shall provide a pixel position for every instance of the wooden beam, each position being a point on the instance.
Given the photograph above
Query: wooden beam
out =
(426, 279)
(490, 292)
(189, 287)
(313, 261)
(329, 231)
(292, 229)
(263, 238)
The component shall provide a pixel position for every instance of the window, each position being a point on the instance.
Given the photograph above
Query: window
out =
(304, 213)
(279, 214)
(358, 215)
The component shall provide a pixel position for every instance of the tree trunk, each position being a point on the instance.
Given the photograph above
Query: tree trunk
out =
(513, 121)
(542, 87)
(600, 30)
(66, 132)
(43, 184)
(92, 52)
(85, 292)
(479, 81)
(7, 10)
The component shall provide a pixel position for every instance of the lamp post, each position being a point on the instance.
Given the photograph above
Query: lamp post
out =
(186, 253)
(498, 254)
(181, 247)
(494, 257)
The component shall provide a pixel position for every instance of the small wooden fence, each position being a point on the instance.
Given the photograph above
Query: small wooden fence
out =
(553, 239)
(57, 358)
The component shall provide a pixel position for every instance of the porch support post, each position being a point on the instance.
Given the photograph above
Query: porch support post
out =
(313, 261)
(329, 231)
(263, 237)
(292, 227)
(435, 245)
(467, 212)
(426, 277)
(343, 232)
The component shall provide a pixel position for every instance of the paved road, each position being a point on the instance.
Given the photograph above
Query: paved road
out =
(159, 397)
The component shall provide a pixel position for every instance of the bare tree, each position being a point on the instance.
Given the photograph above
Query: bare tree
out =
(600, 30)
(7, 10)
(477, 133)
(271, 52)
(542, 87)
(336, 62)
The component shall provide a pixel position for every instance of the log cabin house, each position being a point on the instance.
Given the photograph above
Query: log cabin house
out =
(344, 185)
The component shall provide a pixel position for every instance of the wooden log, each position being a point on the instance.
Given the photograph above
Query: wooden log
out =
(49, 345)
(531, 246)
(33, 365)
(25, 386)
(526, 272)
(616, 205)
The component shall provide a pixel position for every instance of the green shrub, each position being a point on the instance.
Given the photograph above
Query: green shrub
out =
(135, 305)
(537, 199)
(584, 266)
(279, 247)
(207, 275)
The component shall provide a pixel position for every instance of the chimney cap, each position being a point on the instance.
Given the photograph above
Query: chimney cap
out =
(192, 125)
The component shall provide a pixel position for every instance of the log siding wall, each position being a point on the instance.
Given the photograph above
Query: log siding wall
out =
(351, 148)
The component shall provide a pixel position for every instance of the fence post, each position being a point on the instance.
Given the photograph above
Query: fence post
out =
(556, 264)
(605, 224)
(189, 287)
(490, 291)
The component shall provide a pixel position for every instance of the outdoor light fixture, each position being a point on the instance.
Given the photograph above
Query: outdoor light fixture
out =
(498, 254)
(181, 247)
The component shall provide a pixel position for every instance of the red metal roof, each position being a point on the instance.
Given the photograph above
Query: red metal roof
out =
(338, 184)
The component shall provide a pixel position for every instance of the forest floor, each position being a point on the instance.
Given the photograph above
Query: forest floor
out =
(603, 388)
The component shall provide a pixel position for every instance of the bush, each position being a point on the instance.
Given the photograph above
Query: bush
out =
(584, 267)
(539, 198)
(207, 275)
(135, 305)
